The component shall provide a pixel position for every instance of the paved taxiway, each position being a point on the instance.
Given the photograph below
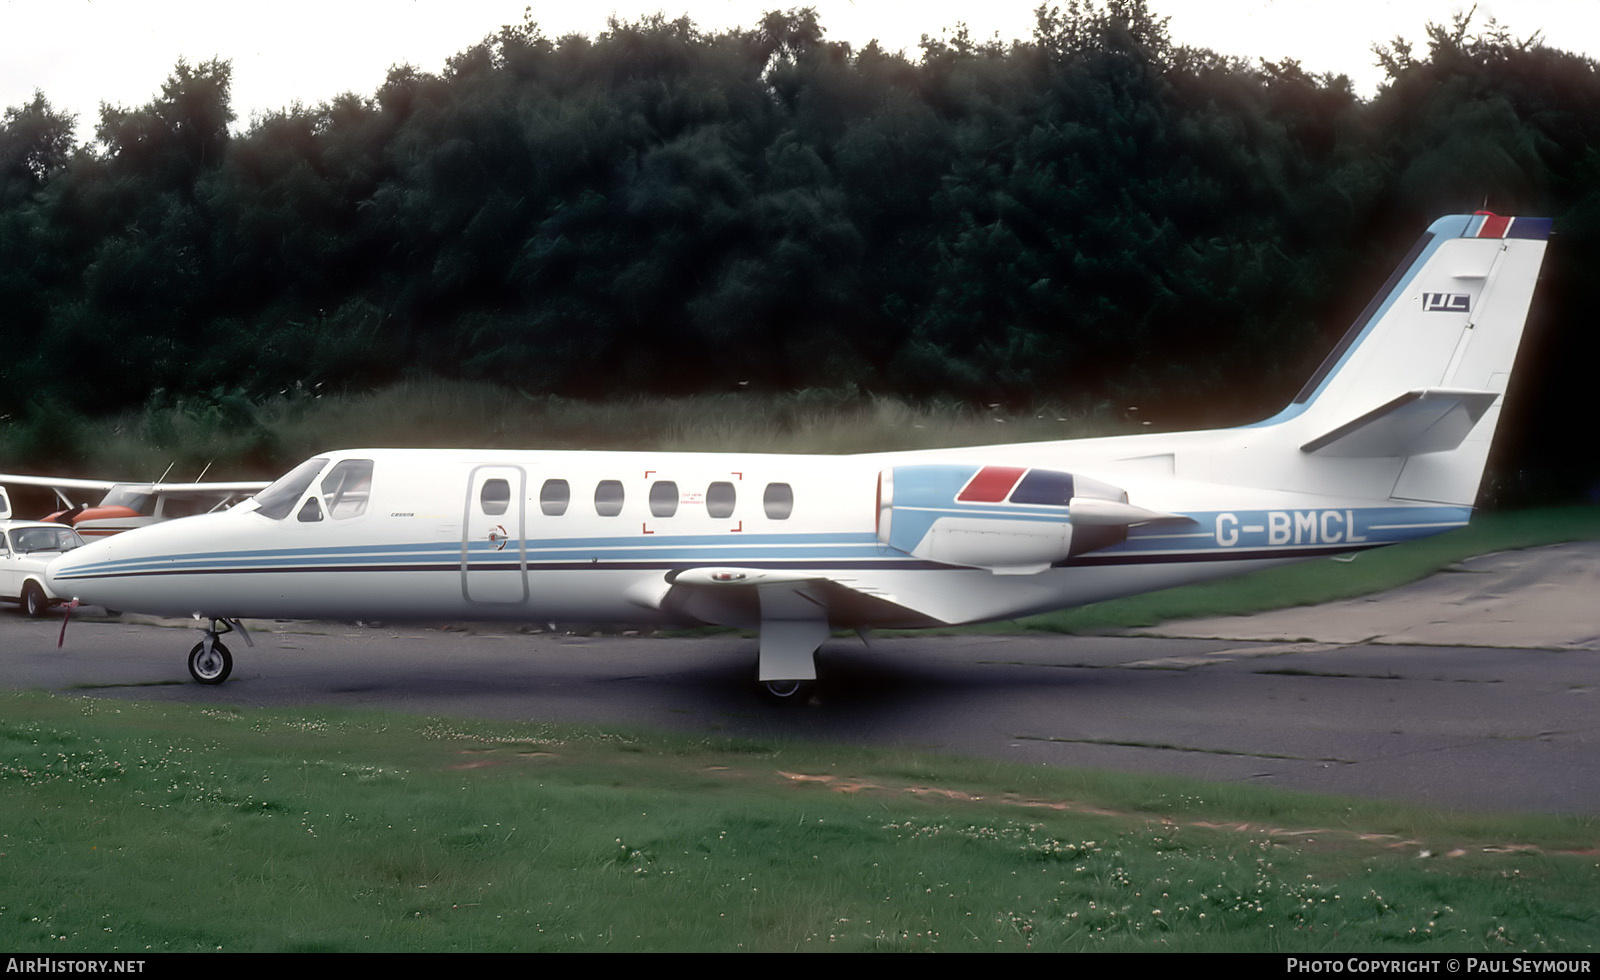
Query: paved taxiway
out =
(1352, 698)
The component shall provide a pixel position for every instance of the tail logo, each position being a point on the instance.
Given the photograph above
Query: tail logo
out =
(1446, 302)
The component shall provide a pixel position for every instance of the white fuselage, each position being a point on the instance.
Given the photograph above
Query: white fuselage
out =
(485, 535)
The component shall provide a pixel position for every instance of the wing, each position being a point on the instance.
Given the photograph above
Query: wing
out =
(55, 482)
(738, 596)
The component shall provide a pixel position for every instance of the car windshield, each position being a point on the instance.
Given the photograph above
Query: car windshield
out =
(33, 539)
(279, 499)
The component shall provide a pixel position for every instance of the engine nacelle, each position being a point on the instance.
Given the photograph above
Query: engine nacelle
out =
(1012, 520)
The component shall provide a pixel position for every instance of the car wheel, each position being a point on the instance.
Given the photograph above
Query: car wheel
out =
(34, 602)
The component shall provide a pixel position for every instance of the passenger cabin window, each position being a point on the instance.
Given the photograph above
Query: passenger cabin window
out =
(347, 487)
(495, 496)
(608, 498)
(720, 498)
(778, 501)
(663, 498)
(554, 497)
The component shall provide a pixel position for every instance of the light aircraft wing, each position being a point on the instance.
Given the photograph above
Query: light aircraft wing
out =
(62, 486)
(72, 483)
(241, 486)
(55, 482)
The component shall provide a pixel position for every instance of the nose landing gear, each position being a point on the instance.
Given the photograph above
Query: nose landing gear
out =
(209, 661)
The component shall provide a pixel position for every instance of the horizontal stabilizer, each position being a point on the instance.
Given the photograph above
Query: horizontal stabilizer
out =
(1427, 420)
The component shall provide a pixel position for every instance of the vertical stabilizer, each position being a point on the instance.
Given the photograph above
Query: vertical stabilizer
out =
(1419, 377)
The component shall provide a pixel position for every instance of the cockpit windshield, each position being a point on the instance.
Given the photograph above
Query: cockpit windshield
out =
(279, 499)
(138, 499)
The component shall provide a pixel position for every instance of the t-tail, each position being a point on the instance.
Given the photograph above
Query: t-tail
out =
(1405, 406)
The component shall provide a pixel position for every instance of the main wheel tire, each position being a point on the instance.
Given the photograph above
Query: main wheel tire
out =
(788, 692)
(34, 603)
(210, 668)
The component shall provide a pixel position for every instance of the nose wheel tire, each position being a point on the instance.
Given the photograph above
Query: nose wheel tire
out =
(210, 666)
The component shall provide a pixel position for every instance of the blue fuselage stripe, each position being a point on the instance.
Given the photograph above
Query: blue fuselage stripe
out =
(1243, 535)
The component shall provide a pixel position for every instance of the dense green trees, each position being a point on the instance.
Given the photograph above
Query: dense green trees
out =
(1097, 213)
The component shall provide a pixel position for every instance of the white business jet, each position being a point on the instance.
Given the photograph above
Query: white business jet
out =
(1386, 443)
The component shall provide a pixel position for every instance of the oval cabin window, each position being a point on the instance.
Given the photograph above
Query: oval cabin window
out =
(720, 499)
(778, 501)
(495, 496)
(554, 497)
(608, 498)
(663, 498)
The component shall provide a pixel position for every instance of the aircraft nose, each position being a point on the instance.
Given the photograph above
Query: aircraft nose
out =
(131, 571)
(64, 576)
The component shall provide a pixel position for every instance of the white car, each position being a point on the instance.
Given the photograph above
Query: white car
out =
(26, 548)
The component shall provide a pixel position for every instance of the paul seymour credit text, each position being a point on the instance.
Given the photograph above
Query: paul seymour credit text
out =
(1439, 964)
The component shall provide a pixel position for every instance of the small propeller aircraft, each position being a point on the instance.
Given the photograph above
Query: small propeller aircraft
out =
(1385, 443)
(127, 505)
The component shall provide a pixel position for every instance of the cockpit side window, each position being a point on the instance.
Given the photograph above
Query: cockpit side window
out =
(279, 499)
(346, 488)
(139, 500)
(309, 511)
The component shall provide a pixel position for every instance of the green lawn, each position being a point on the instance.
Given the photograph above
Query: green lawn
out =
(127, 827)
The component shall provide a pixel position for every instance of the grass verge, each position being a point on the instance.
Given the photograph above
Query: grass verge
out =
(128, 827)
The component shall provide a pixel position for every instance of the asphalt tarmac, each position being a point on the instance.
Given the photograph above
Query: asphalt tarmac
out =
(1474, 690)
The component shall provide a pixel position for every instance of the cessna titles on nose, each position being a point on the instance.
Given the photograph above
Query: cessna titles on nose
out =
(1291, 527)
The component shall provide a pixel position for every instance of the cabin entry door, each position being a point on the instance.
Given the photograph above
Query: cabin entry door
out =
(494, 546)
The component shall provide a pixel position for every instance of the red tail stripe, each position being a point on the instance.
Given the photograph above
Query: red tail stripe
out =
(1494, 226)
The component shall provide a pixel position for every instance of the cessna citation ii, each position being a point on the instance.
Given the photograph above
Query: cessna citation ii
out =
(1386, 443)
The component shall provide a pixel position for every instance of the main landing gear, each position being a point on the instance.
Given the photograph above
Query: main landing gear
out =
(787, 669)
(209, 661)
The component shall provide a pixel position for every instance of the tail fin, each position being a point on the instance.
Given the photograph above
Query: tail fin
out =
(1419, 375)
